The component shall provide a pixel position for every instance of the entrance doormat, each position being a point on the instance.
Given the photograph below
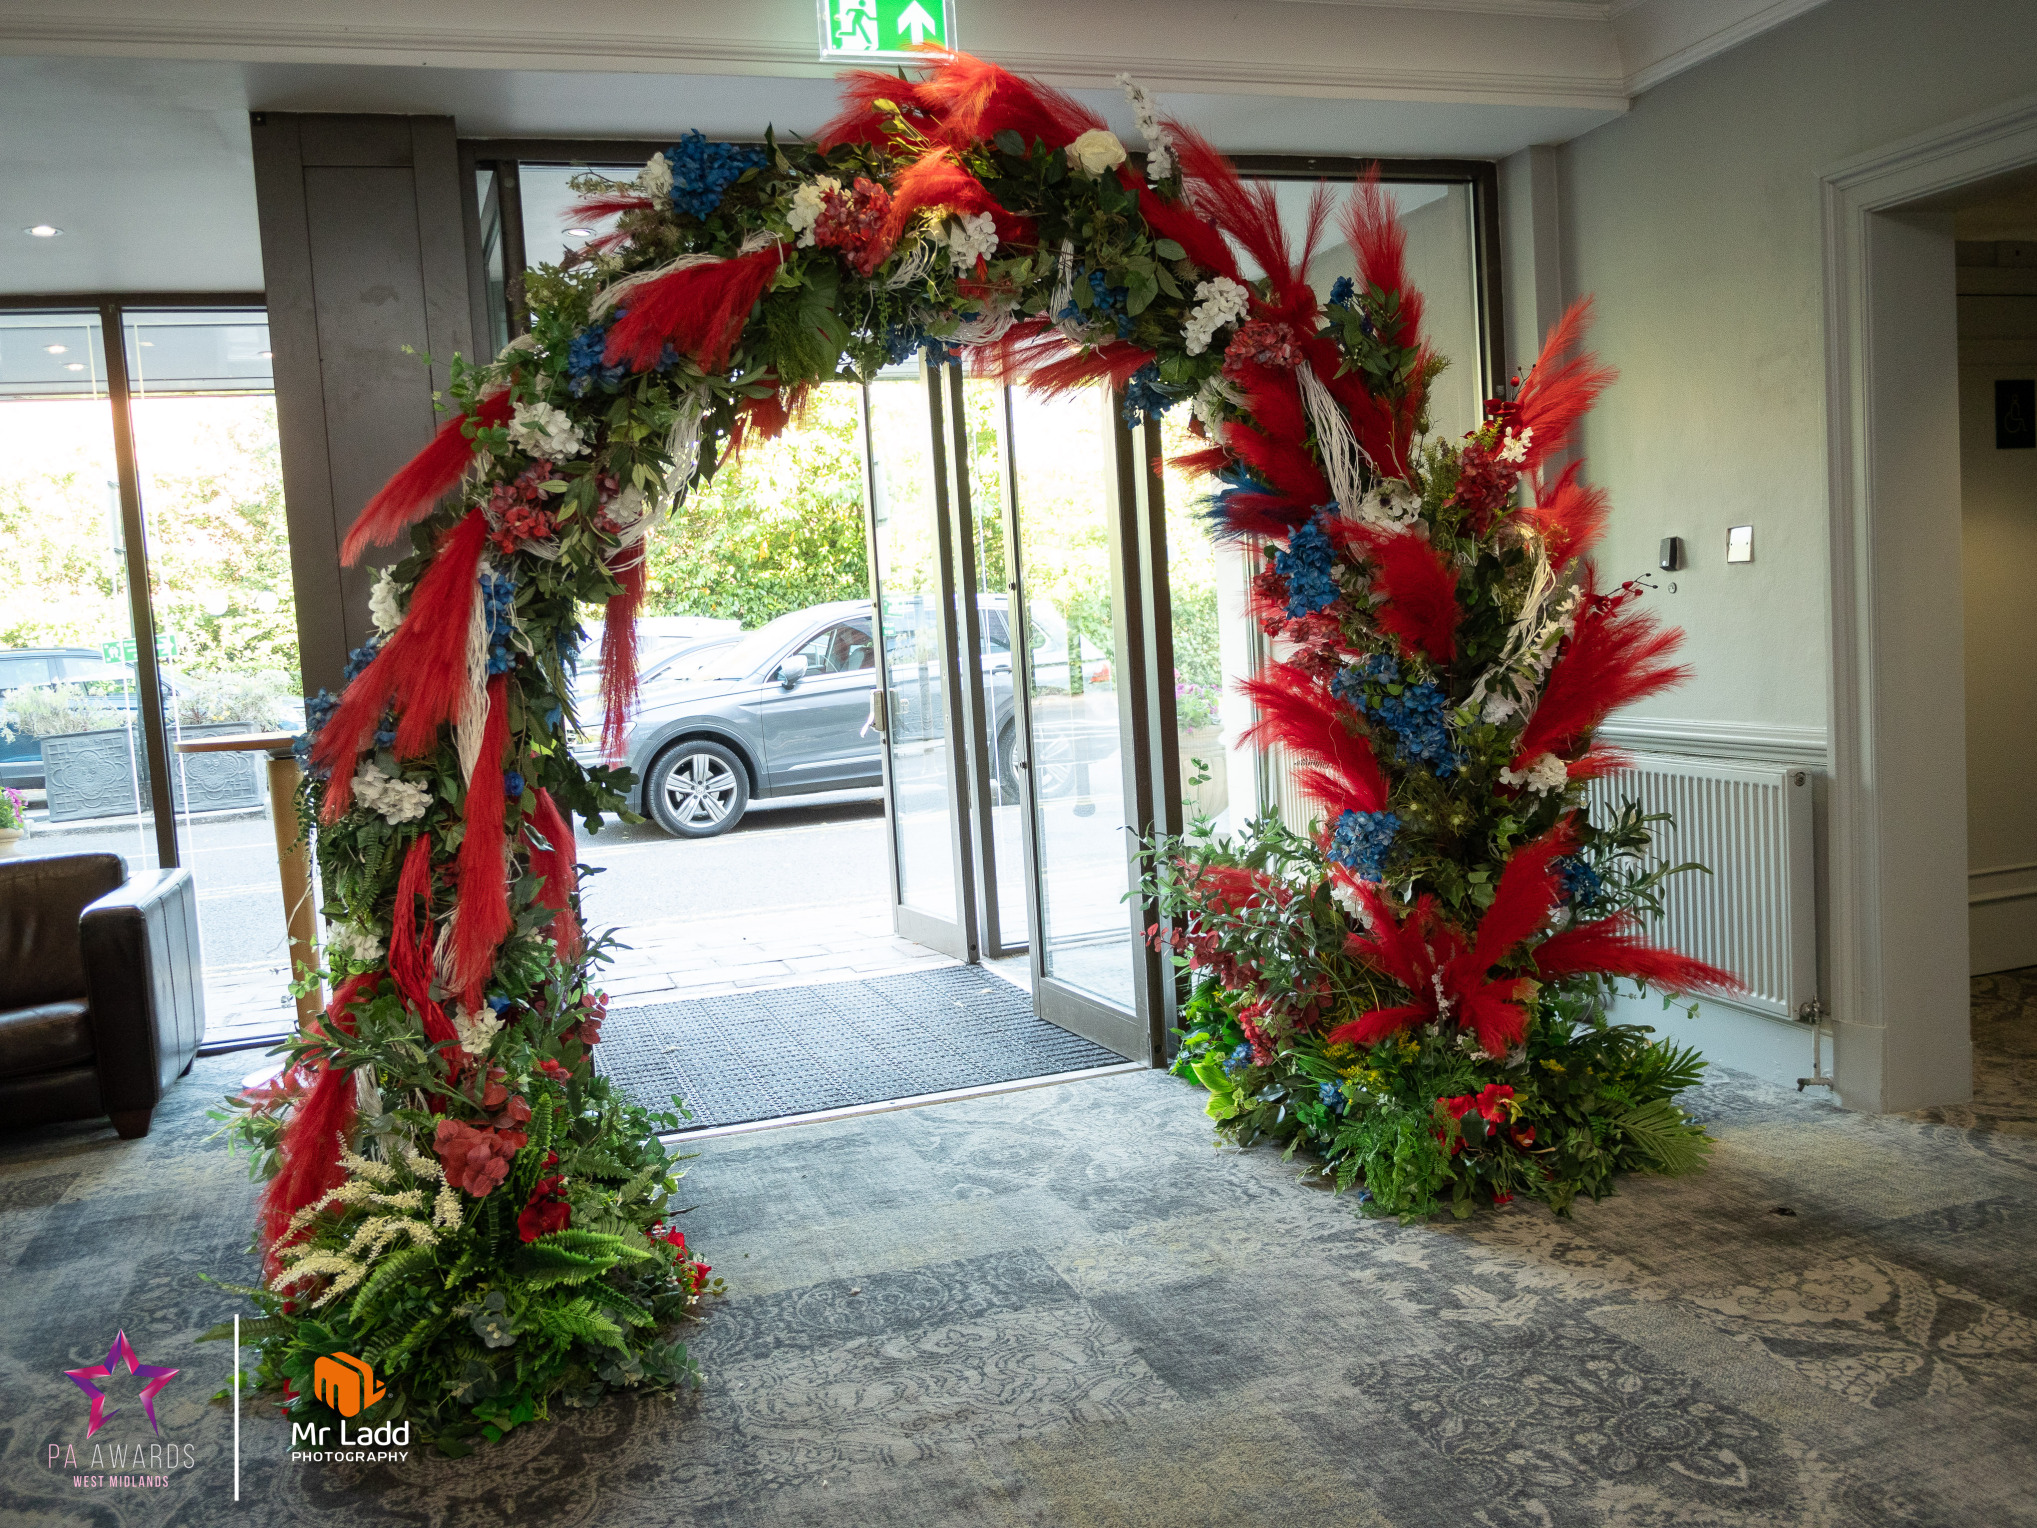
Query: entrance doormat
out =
(794, 1050)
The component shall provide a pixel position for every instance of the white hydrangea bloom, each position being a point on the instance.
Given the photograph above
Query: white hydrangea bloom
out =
(545, 431)
(655, 179)
(1218, 301)
(969, 237)
(1513, 448)
(806, 206)
(1389, 501)
(1159, 148)
(1545, 776)
(385, 604)
(478, 1029)
(396, 800)
(354, 942)
(1347, 898)
(1096, 151)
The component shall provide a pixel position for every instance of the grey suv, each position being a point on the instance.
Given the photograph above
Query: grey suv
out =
(785, 710)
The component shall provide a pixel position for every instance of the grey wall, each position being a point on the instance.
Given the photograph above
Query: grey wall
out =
(1998, 511)
(1695, 221)
(363, 254)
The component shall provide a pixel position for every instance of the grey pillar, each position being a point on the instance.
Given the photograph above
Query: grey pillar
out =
(363, 254)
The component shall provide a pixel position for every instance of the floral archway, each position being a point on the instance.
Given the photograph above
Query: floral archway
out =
(1416, 986)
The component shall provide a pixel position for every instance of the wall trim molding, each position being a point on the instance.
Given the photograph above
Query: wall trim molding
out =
(1753, 741)
(1899, 956)
(1724, 40)
(2001, 883)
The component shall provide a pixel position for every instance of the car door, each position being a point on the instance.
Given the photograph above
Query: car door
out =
(815, 729)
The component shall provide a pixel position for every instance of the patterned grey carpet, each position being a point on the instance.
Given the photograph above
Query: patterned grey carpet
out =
(1061, 1307)
(798, 1050)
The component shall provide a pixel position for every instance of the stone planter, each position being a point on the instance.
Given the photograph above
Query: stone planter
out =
(11, 840)
(103, 774)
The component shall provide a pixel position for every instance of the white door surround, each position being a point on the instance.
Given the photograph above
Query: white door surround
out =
(1897, 958)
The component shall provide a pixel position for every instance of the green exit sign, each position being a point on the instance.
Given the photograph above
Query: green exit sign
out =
(867, 29)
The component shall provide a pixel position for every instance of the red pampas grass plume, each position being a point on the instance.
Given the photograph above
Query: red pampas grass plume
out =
(409, 495)
(1528, 889)
(1569, 516)
(1617, 656)
(410, 950)
(935, 179)
(1419, 587)
(1311, 723)
(309, 1149)
(972, 101)
(482, 917)
(1199, 239)
(1561, 387)
(619, 655)
(699, 309)
(549, 832)
(1614, 947)
(422, 668)
(1379, 241)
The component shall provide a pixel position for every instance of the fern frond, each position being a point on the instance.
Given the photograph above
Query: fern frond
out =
(1662, 1138)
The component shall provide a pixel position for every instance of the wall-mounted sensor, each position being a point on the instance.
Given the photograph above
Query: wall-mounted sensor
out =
(1672, 553)
(1740, 543)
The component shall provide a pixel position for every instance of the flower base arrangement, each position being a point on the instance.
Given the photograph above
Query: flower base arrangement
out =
(455, 1196)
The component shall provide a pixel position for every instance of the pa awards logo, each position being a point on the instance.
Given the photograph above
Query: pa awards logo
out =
(116, 1452)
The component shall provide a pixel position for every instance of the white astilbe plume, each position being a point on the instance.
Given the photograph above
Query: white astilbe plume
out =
(1159, 148)
(1218, 301)
(385, 603)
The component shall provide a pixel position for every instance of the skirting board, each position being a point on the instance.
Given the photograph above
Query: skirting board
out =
(2002, 935)
(1775, 1050)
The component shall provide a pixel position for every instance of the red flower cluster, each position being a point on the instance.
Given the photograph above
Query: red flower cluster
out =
(1265, 342)
(553, 1070)
(593, 1009)
(851, 221)
(1490, 1105)
(547, 1210)
(672, 1236)
(1485, 484)
(476, 1160)
(517, 510)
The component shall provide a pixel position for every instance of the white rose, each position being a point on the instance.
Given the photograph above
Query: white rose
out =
(1096, 151)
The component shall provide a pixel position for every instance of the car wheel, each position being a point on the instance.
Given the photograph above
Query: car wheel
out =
(1008, 793)
(1053, 765)
(697, 790)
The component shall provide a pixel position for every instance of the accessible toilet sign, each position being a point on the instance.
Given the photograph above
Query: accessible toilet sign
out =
(866, 29)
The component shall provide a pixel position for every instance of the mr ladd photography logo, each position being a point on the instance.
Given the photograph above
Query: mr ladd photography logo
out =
(120, 1459)
(348, 1385)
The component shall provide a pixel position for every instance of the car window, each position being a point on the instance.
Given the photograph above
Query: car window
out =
(15, 672)
(92, 668)
(840, 650)
(996, 637)
(756, 648)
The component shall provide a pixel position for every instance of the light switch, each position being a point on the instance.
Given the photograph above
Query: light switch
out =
(1740, 543)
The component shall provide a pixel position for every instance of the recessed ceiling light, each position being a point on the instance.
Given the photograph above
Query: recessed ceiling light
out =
(267, 355)
(148, 344)
(43, 231)
(579, 233)
(56, 349)
(74, 366)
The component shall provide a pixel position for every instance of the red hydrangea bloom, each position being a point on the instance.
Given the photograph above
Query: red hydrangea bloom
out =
(851, 222)
(517, 512)
(476, 1160)
(1265, 342)
(553, 1070)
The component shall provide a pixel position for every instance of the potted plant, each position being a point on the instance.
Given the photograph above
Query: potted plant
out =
(13, 821)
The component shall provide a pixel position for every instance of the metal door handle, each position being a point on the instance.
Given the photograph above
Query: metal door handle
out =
(879, 717)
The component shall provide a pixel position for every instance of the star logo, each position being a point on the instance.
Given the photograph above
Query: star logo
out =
(122, 1352)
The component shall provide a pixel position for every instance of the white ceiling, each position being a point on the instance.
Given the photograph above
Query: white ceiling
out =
(127, 127)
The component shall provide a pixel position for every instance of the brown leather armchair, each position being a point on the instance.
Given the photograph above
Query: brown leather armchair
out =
(102, 1000)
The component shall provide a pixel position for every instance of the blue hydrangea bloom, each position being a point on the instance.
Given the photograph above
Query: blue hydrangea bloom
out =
(702, 172)
(1362, 840)
(1145, 396)
(1332, 1095)
(498, 597)
(584, 367)
(903, 341)
(1342, 290)
(1581, 882)
(1306, 566)
(1110, 303)
(360, 658)
(500, 1004)
(1238, 1060)
(1421, 735)
(512, 784)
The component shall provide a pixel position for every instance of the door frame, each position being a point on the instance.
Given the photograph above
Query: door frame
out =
(1896, 957)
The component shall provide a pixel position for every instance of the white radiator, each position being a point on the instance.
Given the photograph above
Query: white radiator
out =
(1750, 825)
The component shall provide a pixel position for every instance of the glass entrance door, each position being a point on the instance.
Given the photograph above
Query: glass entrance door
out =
(1078, 716)
(917, 706)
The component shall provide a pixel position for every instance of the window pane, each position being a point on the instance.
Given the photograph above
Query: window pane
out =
(548, 202)
(71, 747)
(219, 566)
